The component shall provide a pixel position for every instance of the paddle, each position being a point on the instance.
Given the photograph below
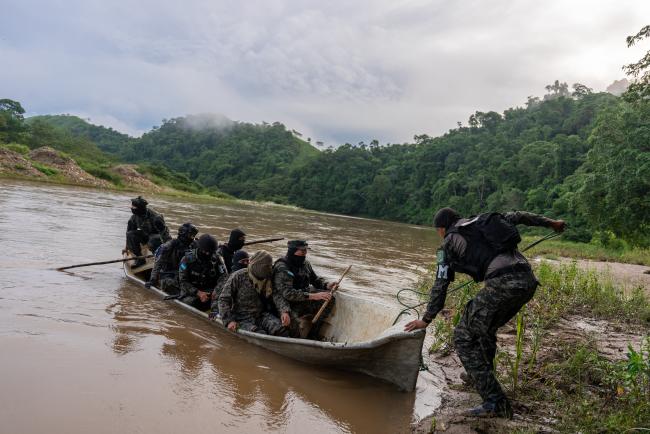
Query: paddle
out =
(265, 240)
(336, 287)
(103, 262)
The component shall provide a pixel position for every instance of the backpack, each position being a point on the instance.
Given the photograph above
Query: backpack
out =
(487, 236)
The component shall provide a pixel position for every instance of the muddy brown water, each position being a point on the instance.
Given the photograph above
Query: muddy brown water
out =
(92, 352)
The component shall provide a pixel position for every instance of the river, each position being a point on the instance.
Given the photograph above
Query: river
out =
(92, 352)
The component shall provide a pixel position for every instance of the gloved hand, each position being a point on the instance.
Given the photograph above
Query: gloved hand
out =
(558, 226)
(147, 284)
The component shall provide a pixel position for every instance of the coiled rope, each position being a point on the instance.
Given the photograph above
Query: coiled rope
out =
(413, 307)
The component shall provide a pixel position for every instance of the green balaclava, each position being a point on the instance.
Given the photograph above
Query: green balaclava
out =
(260, 269)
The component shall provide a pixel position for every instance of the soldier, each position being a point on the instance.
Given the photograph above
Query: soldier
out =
(145, 226)
(201, 273)
(485, 247)
(246, 299)
(168, 259)
(240, 260)
(235, 242)
(295, 279)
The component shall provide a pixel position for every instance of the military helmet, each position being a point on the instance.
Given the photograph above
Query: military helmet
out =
(187, 230)
(207, 243)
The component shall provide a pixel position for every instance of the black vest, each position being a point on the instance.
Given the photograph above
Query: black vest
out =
(487, 236)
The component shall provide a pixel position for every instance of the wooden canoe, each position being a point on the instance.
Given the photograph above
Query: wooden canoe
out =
(357, 336)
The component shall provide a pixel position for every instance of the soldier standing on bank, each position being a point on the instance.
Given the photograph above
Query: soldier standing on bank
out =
(168, 259)
(145, 226)
(201, 274)
(484, 247)
(295, 279)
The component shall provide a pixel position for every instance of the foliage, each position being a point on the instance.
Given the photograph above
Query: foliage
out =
(11, 121)
(46, 170)
(16, 147)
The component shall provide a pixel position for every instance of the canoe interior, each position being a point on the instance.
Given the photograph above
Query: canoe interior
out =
(352, 320)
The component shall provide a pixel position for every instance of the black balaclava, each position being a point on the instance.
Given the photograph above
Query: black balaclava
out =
(238, 256)
(139, 205)
(445, 218)
(234, 242)
(187, 232)
(293, 246)
(207, 246)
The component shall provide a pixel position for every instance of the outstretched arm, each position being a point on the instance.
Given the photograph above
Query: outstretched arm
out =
(531, 219)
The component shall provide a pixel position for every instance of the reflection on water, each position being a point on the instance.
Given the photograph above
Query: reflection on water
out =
(94, 352)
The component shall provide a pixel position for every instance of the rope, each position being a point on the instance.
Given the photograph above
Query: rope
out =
(413, 307)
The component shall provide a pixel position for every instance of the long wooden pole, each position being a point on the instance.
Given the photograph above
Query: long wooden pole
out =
(265, 240)
(322, 308)
(103, 262)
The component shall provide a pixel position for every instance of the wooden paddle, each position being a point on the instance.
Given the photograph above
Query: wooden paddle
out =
(103, 262)
(336, 287)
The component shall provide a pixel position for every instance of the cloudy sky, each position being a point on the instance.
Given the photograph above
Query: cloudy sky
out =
(338, 71)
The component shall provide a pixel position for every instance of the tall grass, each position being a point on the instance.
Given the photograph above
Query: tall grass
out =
(583, 390)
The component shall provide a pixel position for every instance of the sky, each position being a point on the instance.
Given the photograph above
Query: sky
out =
(337, 71)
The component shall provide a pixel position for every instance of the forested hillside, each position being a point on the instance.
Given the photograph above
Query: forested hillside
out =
(577, 155)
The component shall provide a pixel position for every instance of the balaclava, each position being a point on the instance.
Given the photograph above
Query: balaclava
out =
(234, 242)
(139, 205)
(187, 232)
(293, 246)
(260, 269)
(207, 245)
(238, 256)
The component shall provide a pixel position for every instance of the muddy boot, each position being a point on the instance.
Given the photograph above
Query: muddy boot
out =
(500, 408)
(467, 380)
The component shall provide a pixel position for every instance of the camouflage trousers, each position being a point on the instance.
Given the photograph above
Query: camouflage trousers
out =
(266, 323)
(135, 238)
(169, 285)
(302, 312)
(475, 337)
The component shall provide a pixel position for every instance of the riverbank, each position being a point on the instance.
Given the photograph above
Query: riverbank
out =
(576, 358)
(47, 165)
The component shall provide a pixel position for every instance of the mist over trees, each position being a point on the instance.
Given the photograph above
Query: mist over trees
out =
(571, 154)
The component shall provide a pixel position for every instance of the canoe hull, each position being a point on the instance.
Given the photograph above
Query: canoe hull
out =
(394, 356)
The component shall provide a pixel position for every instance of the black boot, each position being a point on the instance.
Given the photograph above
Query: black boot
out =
(138, 263)
(500, 408)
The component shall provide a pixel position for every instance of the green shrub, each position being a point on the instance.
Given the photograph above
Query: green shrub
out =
(46, 170)
(16, 147)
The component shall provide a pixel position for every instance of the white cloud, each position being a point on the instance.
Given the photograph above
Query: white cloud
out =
(339, 71)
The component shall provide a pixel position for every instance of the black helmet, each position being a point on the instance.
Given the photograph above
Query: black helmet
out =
(187, 231)
(139, 202)
(207, 243)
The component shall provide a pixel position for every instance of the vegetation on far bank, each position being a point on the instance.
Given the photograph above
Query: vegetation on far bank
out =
(562, 377)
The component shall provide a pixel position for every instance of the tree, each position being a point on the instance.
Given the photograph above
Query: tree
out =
(580, 90)
(556, 90)
(11, 121)
(640, 87)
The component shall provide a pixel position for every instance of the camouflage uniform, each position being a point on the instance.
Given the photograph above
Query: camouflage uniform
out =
(509, 285)
(197, 273)
(165, 268)
(241, 302)
(149, 228)
(295, 284)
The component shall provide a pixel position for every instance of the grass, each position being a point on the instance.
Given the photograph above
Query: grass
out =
(46, 170)
(16, 147)
(581, 390)
(556, 248)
